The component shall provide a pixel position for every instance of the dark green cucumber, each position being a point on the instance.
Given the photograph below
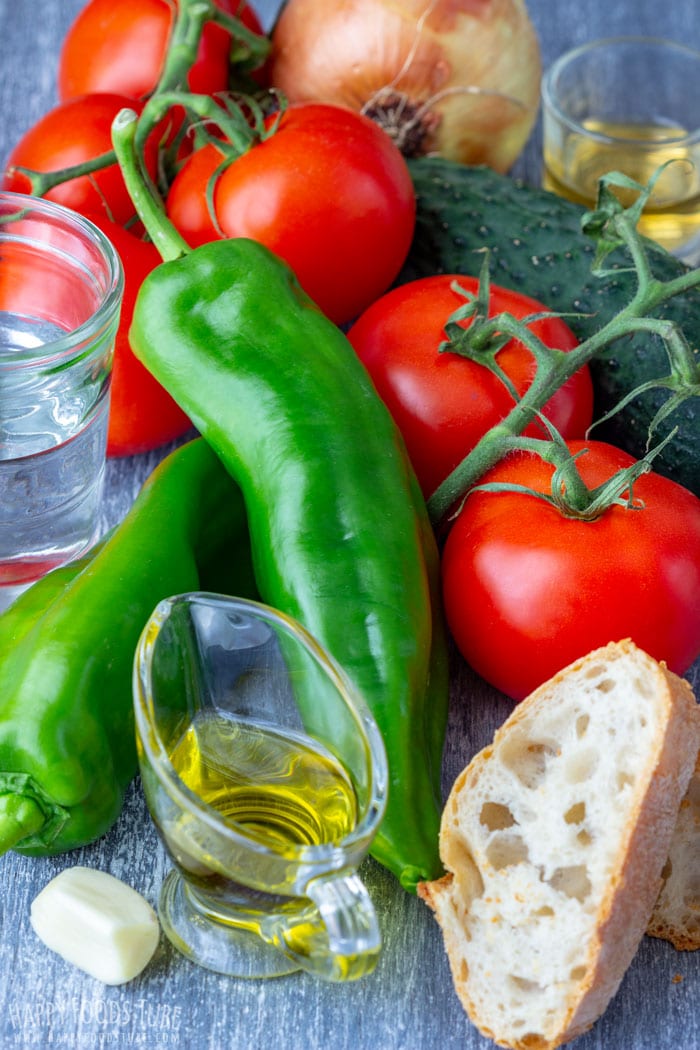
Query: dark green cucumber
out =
(536, 247)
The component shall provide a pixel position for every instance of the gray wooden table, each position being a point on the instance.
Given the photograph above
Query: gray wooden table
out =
(408, 1003)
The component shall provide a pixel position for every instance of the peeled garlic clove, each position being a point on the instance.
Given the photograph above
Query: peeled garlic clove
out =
(97, 923)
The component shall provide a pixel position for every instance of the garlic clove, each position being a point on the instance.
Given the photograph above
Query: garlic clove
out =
(97, 923)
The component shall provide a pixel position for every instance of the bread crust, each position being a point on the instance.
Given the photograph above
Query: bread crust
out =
(676, 915)
(625, 904)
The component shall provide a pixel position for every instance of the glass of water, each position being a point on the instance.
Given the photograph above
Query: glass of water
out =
(61, 286)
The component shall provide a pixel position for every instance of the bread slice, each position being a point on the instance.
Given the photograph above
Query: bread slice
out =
(554, 839)
(676, 915)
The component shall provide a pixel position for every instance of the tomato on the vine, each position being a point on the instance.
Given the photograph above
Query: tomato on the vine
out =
(70, 134)
(442, 402)
(527, 590)
(120, 46)
(328, 191)
(142, 414)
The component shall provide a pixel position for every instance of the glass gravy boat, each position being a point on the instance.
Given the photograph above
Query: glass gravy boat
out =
(238, 713)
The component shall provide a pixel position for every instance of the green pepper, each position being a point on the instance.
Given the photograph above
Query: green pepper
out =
(338, 527)
(67, 747)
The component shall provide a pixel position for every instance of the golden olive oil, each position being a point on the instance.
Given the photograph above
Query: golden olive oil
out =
(573, 166)
(280, 789)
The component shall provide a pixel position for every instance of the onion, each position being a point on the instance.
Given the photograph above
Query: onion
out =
(458, 78)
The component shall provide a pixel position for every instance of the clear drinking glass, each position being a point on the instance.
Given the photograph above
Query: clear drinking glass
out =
(628, 104)
(266, 819)
(61, 287)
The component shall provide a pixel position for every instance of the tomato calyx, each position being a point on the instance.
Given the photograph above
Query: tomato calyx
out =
(612, 225)
(569, 494)
(483, 340)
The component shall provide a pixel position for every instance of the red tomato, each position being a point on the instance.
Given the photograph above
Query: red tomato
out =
(187, 203)
(443, 403)
(142, 414)
(329, 192)
(120, 46)
(70, 134)
(527, 591)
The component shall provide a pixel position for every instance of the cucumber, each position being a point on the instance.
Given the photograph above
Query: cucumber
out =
(536, 247)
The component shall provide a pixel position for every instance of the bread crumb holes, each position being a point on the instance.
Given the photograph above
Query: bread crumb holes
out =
(496, 817)
(572, 881)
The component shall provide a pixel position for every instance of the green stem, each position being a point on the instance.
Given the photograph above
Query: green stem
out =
(149, 207)
(20, 817)
(679, 285)
(555, 452)
(568, 493)
(184, 42)
(638, 253)
(239, 134)
(43, 181)
(576, 492)
(247, 48)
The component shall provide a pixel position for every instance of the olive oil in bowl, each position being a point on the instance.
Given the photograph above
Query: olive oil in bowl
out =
(574, 164)
(280, 788)
(628, 104)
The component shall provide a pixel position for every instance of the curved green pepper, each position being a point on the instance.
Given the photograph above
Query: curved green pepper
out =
(67, 748)
(339, 530)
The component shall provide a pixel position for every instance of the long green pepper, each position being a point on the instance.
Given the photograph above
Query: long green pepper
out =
(338, 528)
(67, 746)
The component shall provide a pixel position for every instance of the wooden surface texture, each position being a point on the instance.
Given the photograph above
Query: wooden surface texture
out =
(408, 1003)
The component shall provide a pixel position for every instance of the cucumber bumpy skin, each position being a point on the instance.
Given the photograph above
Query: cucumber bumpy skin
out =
(537, 247)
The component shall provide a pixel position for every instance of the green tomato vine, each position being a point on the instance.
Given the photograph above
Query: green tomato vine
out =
(611, 226)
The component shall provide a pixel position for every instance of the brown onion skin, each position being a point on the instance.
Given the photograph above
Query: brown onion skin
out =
(346, 51)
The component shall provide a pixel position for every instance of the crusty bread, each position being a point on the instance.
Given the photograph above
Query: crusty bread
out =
(554, 839)
(676, 915)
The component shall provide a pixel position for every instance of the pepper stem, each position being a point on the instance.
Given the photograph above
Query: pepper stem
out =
(141, 190)
(20, 817)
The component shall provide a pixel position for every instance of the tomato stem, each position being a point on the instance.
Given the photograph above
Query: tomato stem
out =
(248, 49)
(43, 181)
(190, 16)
